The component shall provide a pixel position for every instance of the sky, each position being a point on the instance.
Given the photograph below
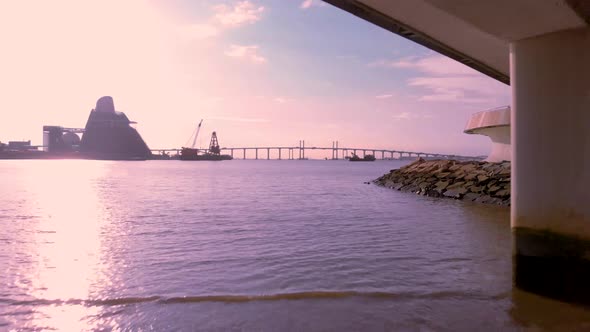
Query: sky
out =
(259, 72)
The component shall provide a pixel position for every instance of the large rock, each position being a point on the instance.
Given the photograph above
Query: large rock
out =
(481, 182)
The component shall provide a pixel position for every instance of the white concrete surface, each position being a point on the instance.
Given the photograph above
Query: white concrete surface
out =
(551, 132)
(495, 124)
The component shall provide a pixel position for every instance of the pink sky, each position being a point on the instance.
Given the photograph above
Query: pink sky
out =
(259, 73)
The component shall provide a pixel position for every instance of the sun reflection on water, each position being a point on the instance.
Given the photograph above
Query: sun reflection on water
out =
(67, 241)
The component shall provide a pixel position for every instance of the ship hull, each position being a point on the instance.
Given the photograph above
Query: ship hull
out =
(188, 154)
(206, 157)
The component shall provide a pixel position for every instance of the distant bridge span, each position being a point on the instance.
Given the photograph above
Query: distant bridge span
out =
(298, 152)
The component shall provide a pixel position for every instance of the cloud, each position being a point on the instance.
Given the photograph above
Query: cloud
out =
(448, 80)
(466, 89)
(247, 52)
(242, 13)
(224, 17)
(306, 4)
(436, 65)
(383, 96)
(409, 116)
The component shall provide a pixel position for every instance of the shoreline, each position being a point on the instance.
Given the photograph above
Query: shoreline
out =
(473, 181)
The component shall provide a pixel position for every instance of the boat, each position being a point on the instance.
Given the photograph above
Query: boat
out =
(368, 157)
(194, 154)
(213, 153)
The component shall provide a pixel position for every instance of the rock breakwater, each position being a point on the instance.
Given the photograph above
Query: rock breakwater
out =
(477, 181)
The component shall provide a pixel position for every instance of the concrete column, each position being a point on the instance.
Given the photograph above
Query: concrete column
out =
(303, 145)
(268, 154)
(333, 146)
(256, 154)
(279, 153)
(550, 79)
(244, 154)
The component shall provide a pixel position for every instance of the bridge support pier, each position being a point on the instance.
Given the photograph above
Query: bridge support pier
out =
(256, 154)
(303, 148)
(550, 79)
(244, 154)
(268, 154)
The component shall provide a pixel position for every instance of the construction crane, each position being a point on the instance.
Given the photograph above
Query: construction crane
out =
(196, 135)
(214, 145)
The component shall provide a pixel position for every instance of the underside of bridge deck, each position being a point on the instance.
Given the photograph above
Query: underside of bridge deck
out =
(542, 49)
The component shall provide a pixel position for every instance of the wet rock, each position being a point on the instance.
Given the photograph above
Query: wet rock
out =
(441, 185)
(494, 189)
(456, 185)
(442, 175)
(455, 167)
(424, 185)
(455, 192)
(503, 193)
(433, 193)
(470, 197)
(458, 175)
(476, 189)
(483, 199)
(482, 178)
(476, 181)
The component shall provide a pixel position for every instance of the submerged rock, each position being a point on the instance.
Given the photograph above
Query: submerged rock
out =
(481, 182)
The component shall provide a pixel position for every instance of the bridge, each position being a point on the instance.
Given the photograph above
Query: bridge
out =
(540, 48)
(298, 152)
